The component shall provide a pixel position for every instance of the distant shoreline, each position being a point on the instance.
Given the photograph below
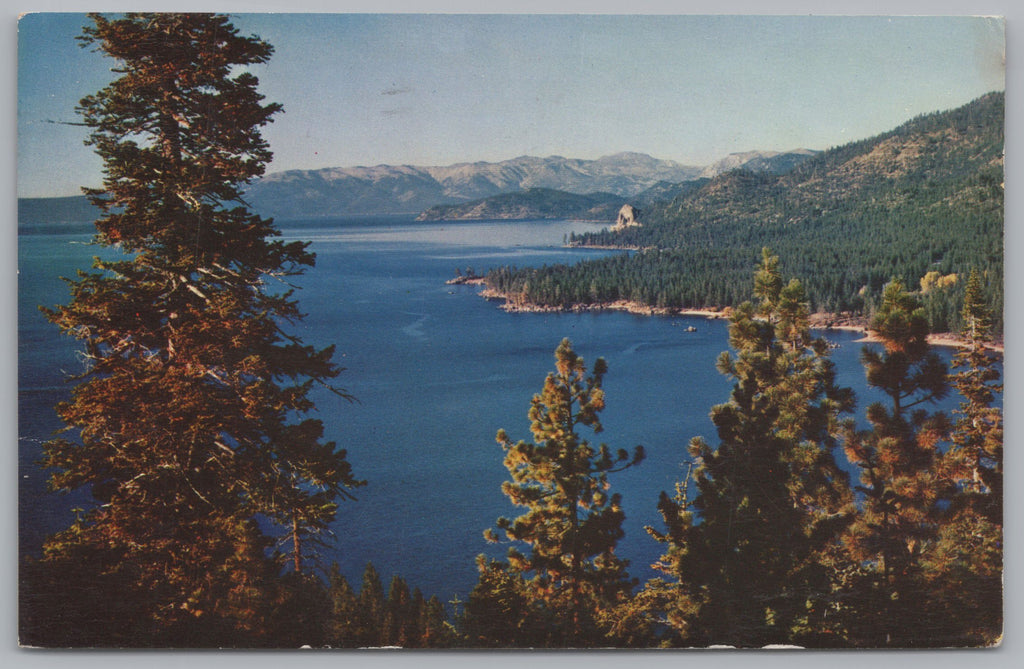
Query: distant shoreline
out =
(512, 219)
(618, 305)
(818, 321)
(609, 247)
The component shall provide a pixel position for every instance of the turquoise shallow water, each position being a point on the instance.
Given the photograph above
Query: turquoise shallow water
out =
(437, 371)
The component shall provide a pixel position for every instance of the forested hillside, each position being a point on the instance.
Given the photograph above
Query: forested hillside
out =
(924, 198)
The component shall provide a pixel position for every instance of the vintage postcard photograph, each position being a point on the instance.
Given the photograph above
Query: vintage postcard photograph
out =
(508, 331)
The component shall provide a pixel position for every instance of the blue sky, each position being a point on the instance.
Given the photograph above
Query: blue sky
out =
(363, 89)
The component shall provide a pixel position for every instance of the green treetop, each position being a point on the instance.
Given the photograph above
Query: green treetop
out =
(572, 524)
(743, 554)
(964, 566)
(897, 458)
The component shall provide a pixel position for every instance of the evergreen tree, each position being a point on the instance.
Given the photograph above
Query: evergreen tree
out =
(975, 461)
(370, 612)
(965, 565)
(187, 423)
(341, 629)
(369, 619)
(501, 611)
(504, 610)
(744, 555)
(437, 631)
(903, 492)
(302, 615)
(572, 524)
(401, 615)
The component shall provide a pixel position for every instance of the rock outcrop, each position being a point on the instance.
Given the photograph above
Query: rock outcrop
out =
(627, 218)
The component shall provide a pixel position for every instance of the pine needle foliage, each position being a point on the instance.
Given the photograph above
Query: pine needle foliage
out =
(964, 567)
(976, 459)
(572, 523)
(188, 423)
(743, 554)
(902, 491)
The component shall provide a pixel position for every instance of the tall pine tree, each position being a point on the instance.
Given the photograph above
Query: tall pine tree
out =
(975, 461)
(964, 567)
(187, 424)
(903, 492)
(743, 555)
(570, 572)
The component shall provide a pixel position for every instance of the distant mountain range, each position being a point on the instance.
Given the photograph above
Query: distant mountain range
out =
(544, 203)
(400, 189)
(388, 189)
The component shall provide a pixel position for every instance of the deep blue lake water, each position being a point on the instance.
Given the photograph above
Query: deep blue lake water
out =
(437, 370)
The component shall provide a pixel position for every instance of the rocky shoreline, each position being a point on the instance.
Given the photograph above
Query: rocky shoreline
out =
(466, 280)
(511, 305)
(818, 321)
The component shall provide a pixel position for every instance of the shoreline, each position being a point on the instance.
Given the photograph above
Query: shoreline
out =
(628, 306)
(609, 247)
(466, 280)
(818, 321)
(513, 219)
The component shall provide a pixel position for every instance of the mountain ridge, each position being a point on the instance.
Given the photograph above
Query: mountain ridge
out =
(382, 189)
(773, 162)
(409, 189)
(532, 203)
